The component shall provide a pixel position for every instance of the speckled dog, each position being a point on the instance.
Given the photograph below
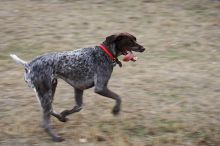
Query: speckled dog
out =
(82, 69)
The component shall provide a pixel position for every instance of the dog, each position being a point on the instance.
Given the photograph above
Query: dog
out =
(82, 69)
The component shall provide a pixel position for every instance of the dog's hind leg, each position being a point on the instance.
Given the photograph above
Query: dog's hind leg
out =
(45, 94)
(54, 113)
(78, 106)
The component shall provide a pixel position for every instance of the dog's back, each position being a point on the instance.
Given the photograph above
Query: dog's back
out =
(78, 67)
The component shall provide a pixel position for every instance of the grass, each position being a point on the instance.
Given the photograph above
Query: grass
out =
(20, 48)
(170, 95)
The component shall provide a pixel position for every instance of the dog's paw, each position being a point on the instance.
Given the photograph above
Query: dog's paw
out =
(64, 113)
(63, 119)
(57, 139)
(68, 112)
(116, 110)
(60, 117)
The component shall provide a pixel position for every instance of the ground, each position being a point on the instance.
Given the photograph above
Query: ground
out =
(171, 95)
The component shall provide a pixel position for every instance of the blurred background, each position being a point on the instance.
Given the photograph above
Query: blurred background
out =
(171, 95)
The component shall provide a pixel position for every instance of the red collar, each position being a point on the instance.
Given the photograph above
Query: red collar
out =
(107, 52)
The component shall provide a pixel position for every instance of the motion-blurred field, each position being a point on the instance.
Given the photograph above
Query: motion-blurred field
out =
(171, 95)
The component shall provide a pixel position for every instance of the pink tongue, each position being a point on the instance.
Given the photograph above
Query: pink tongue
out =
(129, 57)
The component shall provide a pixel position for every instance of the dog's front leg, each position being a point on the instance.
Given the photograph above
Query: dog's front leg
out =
(78, 106)
(104, 91)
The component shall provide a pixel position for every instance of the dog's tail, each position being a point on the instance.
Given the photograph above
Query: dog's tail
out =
(18, 60)
(27, 69)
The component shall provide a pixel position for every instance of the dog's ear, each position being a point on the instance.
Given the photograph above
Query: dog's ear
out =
(125, 34)
(114, 37)
(110, 39)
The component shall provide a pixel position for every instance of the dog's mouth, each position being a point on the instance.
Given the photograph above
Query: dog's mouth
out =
(128, 55)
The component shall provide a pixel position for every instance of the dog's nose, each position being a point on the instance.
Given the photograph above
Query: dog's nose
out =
(142, 49)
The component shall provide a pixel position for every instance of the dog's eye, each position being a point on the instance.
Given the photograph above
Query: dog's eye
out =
(133, 41)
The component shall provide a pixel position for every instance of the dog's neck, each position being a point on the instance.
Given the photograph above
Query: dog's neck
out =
(112, 49)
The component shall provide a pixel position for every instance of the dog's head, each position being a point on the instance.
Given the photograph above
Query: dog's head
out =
(122, 44)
